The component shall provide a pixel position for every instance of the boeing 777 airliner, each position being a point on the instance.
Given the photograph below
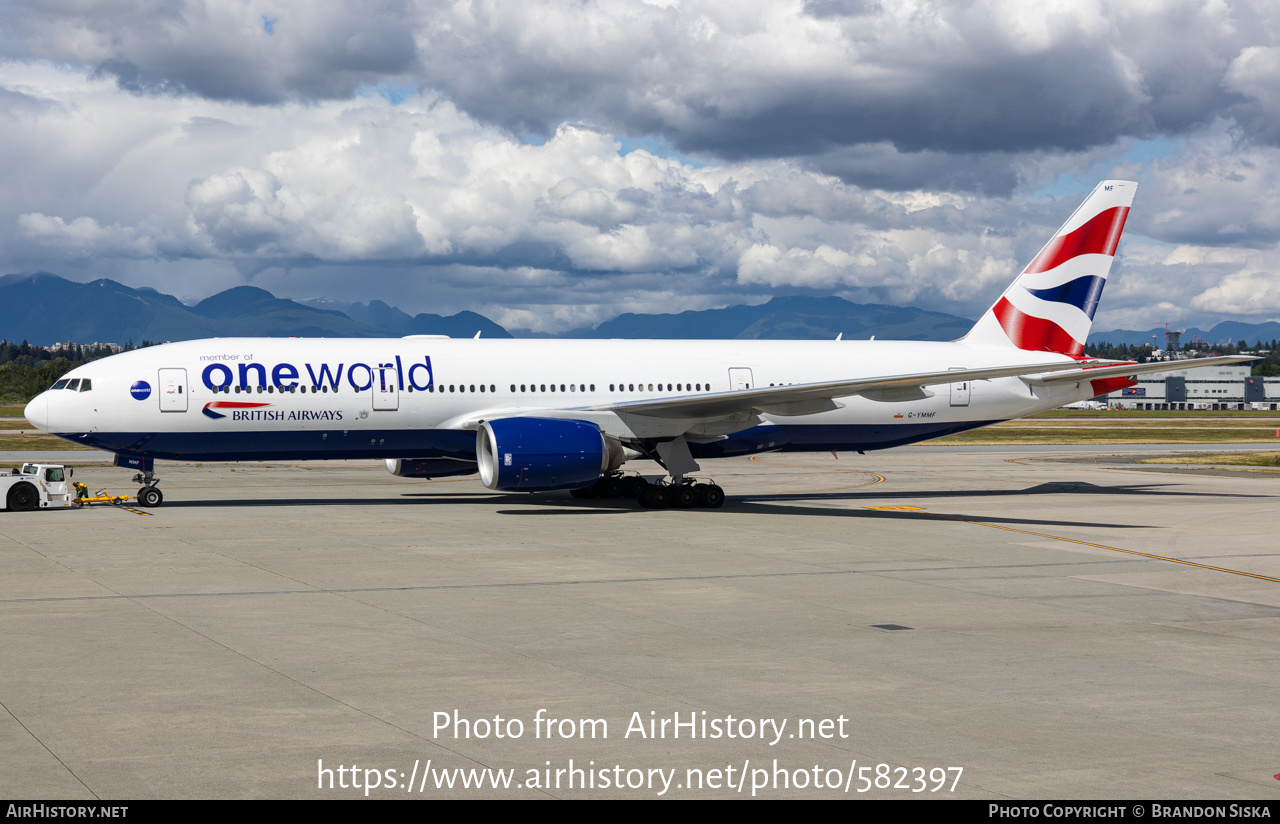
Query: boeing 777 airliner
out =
(534, 415)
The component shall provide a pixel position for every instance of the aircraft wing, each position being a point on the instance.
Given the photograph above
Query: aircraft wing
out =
(1127, 369)
(811, 398)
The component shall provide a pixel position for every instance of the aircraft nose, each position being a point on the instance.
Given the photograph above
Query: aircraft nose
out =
(37, 412)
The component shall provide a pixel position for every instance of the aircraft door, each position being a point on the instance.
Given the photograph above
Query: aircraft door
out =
(960, 393)
(740, 378)
(173, 390)
(386, 394)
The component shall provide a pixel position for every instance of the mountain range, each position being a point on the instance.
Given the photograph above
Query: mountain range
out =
(44, 309)
(782, 318)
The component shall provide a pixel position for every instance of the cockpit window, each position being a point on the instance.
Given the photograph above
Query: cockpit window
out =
(60, 384)
(86, 385)
(74, 385)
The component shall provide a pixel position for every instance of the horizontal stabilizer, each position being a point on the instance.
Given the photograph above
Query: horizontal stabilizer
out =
(1126, 369)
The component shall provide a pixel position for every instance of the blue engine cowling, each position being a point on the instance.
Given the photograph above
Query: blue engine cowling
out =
(537, 454)
(430, 467)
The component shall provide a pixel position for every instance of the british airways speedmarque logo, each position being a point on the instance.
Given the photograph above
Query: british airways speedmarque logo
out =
(210, 409)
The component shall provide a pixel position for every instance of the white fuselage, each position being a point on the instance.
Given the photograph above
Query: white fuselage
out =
(316, 398)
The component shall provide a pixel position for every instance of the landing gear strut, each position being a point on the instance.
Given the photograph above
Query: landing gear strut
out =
(680, 490)
(150, 494)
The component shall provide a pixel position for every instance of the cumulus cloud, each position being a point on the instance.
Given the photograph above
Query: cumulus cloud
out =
(248, 50)
(478, 154)
(84, 237)
(878, 93)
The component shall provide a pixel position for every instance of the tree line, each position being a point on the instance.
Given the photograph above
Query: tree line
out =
(1269, 351)
(27, 370)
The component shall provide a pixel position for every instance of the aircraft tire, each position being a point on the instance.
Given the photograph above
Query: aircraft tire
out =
(685, 496)
(711, 497)
(149, 496)
(657, 496)
(22, 498)
(586, 492)
(639, 487)
(610, 487)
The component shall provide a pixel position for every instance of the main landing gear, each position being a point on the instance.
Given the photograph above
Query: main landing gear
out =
(150, 494)
(684, 493)
(680, 490)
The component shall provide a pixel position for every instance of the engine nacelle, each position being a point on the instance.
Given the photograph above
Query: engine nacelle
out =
(429, 467)
(537, 454)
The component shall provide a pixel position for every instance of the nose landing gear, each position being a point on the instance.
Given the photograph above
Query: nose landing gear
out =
(150, 494)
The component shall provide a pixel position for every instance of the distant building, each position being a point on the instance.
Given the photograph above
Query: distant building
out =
(59, 347)
(1205, 387)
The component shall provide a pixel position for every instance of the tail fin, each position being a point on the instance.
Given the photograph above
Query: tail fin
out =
(1049, 308)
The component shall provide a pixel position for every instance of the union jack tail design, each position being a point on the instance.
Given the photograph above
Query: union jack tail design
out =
(1049, 308)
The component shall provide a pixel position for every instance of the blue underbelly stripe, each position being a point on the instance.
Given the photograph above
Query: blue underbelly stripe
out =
(461, 444)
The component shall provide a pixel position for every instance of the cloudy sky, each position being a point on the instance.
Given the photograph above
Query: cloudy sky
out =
(552, 163)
